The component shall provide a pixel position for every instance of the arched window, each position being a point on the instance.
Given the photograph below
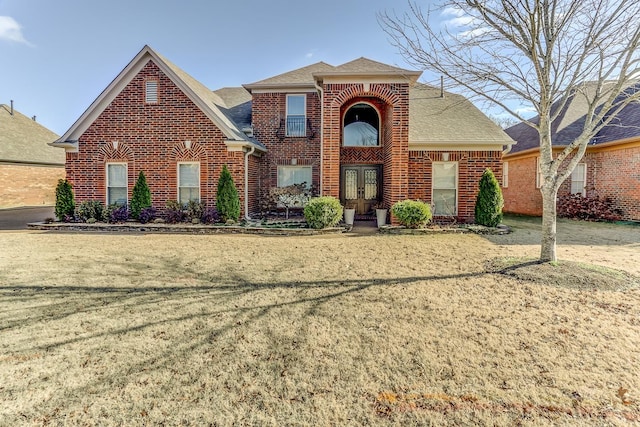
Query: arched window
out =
(361, 126)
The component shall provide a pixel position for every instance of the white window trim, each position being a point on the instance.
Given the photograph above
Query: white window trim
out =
(584, 178)
(106, 180)
(378, 130)
(505, 175)
(538, 173)
(457, 186)
(146, 91)
(178, 179)
(309, 184)
(304, 109)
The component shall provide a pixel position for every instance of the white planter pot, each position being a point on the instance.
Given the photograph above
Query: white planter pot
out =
(381, 217)
(349, 215)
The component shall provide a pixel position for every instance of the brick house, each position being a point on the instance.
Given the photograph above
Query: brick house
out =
(609, 169)
(364, 132)
(29, 168)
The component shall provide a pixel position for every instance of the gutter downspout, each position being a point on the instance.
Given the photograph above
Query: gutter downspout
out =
(246, 182)
(321, 93)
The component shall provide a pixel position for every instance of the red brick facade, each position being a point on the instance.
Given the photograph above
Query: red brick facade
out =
(612, 172)
(269, 116)
(180, 127)
(471, 165)
(151, 138)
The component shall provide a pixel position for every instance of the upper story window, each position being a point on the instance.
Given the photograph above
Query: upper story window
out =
(151, 92)
(296, 115)
(361, 126)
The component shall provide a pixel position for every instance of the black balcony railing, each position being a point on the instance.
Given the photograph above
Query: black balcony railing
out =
(296, 126)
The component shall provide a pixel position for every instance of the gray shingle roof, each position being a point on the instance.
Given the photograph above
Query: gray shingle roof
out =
(451, 118)
(24, 140)
(299, 77)
(569, 124)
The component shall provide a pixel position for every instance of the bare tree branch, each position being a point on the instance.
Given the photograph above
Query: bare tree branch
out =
(541, 54)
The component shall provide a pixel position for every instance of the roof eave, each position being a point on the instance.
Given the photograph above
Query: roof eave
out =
(69, 146)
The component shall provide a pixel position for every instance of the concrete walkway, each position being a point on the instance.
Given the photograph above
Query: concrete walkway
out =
(18, 218)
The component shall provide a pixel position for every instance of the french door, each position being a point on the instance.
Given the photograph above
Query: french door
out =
(360, 186)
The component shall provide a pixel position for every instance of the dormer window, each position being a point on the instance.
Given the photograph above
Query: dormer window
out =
(151, 92)
(296, 115)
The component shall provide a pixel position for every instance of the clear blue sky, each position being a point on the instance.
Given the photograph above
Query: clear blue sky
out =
(58, 56)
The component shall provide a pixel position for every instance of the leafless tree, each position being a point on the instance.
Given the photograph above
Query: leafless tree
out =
(531, 53)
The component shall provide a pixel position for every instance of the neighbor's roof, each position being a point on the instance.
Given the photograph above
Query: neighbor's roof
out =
(208, 101)
(569, 123)
(449, 119)
(23, 140)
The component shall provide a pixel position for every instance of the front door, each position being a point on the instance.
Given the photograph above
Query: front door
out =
(360, 186)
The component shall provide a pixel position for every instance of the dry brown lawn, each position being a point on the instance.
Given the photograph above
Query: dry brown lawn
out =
(134, 329)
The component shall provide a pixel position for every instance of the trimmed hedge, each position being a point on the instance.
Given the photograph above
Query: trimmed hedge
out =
(323, 212)
(412, 213)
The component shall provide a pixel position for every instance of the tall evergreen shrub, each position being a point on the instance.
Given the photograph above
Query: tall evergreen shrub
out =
(489, 202)
(227, 200)
(65, 204)
(141, 197)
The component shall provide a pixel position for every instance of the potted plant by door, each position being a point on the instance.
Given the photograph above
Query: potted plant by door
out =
(349, 213)
(381, 214)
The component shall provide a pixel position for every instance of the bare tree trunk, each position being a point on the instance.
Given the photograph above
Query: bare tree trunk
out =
(548, 241)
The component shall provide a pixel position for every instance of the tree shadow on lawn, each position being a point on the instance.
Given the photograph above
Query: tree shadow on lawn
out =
(219, 296)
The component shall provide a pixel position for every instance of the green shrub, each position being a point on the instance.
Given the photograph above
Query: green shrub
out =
(141, 197)
(412, 213)
(489, 202)
(90, 209)
(195, 210)
(65, 204)
(227, 200)
(322, 212)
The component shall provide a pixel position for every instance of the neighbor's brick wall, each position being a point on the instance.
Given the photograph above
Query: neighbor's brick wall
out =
(471, 166)
(268, 114)
(612, 173)
(618, 177)
(521, 195)
(151, 138)
(28, 185)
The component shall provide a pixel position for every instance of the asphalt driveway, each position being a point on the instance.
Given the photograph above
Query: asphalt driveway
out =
(18, 218)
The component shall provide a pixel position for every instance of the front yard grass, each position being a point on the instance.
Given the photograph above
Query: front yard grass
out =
(138, 329)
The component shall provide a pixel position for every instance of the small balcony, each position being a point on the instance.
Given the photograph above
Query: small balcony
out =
(295, 127)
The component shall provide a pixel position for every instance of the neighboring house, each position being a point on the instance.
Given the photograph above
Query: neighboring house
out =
(29, 168)
(610, 168)
(364, 132)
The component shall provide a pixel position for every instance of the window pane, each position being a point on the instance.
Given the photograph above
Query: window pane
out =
(117, 195)
(360, 134)
(188, 193)
(295, 105)
(189, 175)
(578, 178)
(444, 175)
(444, 188)
(289, 175)
(444, 202)
(117, 175)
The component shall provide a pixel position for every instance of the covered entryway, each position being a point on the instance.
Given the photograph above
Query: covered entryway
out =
(360, 187)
